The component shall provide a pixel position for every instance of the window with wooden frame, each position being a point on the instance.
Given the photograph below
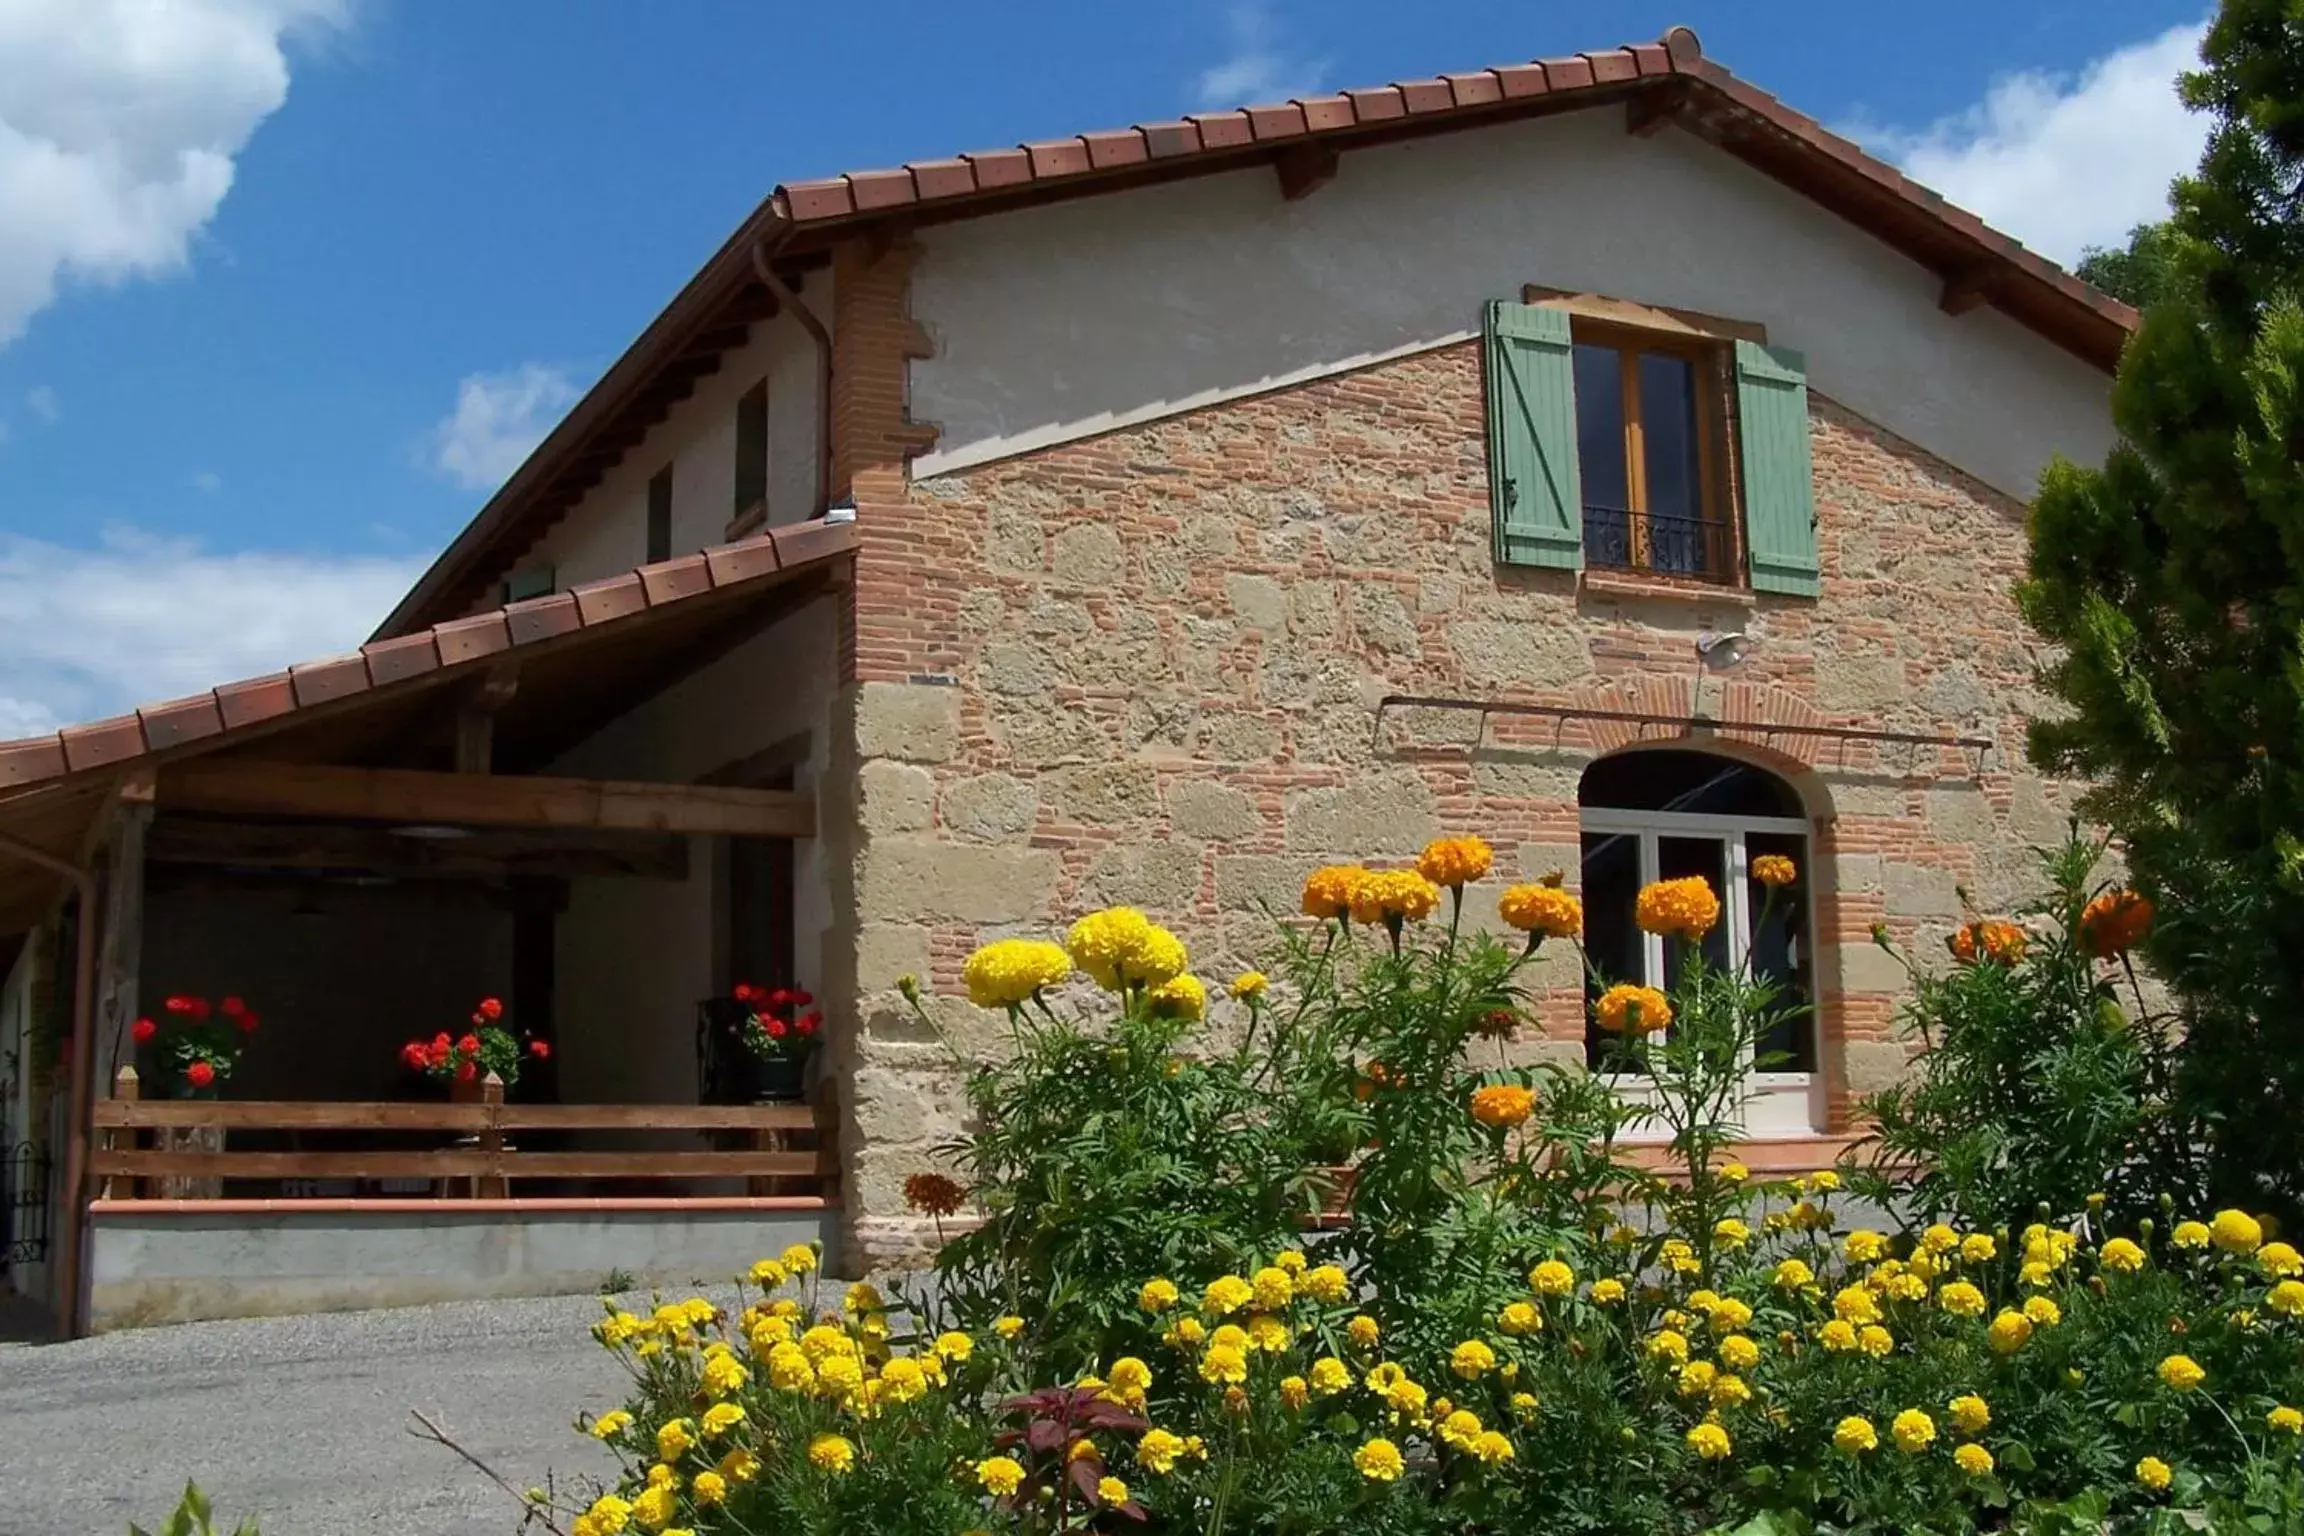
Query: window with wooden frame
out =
(1629, 438)
(752, 449)
(1652, 444)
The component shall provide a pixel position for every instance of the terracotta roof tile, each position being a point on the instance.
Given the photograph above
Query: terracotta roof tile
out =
(1000, 168)
(1612, 66)
(1651, 58)
(1166, 140)
(1223, 130)
(1518, 80)
(873, 190)
(1109, 151)
(234, 706)
(1284, 120)
(943, 178)
(1426, 96)
(1325, 113)
(818, 199)
(1057, 157)
(1480, 89)
(1379, 104)
(1568, 74)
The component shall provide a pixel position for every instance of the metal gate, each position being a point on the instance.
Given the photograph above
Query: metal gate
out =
(23, 1204)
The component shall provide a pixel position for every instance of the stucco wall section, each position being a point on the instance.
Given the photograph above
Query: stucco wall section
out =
(1054, 322)
(1143, 668)
(606, 533)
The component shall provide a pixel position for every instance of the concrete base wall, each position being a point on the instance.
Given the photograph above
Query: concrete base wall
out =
(158, 1263)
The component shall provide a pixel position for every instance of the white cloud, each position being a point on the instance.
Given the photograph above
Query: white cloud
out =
(1258, 68)
(86, 633)
(42, 401)
(208, 482)
(2063, 162)
(498, 418)
(119, 123)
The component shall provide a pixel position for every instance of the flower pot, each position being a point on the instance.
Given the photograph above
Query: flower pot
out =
(780, 1080)
(465, 1090)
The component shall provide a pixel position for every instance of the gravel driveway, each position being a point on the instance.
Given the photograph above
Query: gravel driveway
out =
(301, 1422)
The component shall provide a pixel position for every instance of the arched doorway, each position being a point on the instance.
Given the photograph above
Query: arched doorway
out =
(1665, 813)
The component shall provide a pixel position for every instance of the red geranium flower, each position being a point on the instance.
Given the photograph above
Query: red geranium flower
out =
(540, 1049)
(143, 1030)
(491, 1009)
(177, 1002)
(810, 1023)
(438, 1055)
(781, 997)
(468, 1071)
(776, 1029)
(742, 991)
(199, 1008)
(199, 1074)
(469, 1045)
(247, 1022)
(798, 998)
(414, 1054)
(232, 1007)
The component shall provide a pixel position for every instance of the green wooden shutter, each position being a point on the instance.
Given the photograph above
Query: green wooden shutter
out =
(1532, 482)
(1779, 481)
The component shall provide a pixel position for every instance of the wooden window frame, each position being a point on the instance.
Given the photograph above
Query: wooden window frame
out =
(752, 458)
(658, 532)
(1707, 343)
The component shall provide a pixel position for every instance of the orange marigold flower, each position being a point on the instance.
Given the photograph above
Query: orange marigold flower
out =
(1502, 1104)
(1387, 895)
(1328, 890)
(1624, 1009)
(933, 1194)
(1454, 861)
(2000, 942)
(1774, 869)
(1686, 907)
(1542, 908)
(2115, 922)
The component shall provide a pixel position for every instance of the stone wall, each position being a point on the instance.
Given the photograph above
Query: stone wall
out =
(1144, 668)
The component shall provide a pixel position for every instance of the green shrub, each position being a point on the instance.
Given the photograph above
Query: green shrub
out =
(192, 1517)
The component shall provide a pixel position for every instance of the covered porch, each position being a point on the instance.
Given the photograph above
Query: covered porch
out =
(593, 810)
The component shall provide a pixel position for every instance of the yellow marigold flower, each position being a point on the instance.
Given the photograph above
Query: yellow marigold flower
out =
(1290, 1260)
(1454, 861)
(1627, 1009)
(1157, 1295)
(789, 1370)
(1179, 997)
(739, 1466)
(2153, 1473)
(609, 1514)
(721, 1418)
(652, 1509)
(1970, 1414)
(712, 1488)
(1875, 1340)
(1730, 1315)
(614, 1422)
(1362, 1331)
(1128, 1381)
(1710, 1441)
(1939, 1238)
(1459, 1428)
(799, 1259)
(1224, 1364)
(1325, 1283)
(1490, 1448)
(838, 1375)
(2190, 1234)
(1226, 1295)
(1739, 1353)
(1106, 944)
(1268, 1333)
(1729, 1390)
(1607, 1292)
(1791, 1275)
(1855, 1304)
(723, 1372)
(1731, 1232)
(1328, 890)
(1773, 869)
(1379, 1461)
(1250, 984)
(2287, 1298)
(674, 1439)
(1977, 1248)
(1295, 1391)
(1330, 1376)
(1111, 1490)
(1735, 1173)
(2043, 1312)
(1685, 907)
(1542, 910)
(1855, 1435)
(1000, 1476)
(2181, 1373)
(954, 1347)
(1838, 1335)
(1010, 972)
(768, 1274)
(1272, 1288)
(2121, 1256)
(1864, 1247)
(1668, 1344)
(1553, 1277)
(2286, 1420)
(1972, 1459)
(1524, 1406)
(1913, 1430)
(1389, 895)
(902, 1381)
(1678, 1256)
(2236, 1232)
(1696, 1377)
(1157, 1451)
(2279, 1260)
(1519, 1318)
(1472, 1360)
(1502, 1105)
(1961, 1299)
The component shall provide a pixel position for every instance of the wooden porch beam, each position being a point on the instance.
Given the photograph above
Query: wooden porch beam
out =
(310, 848)
(241, 787)
(1304, 169)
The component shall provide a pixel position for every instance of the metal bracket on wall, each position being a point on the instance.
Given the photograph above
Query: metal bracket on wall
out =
(1974, 746)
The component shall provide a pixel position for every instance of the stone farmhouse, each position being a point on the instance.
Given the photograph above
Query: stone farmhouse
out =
(1595, 454)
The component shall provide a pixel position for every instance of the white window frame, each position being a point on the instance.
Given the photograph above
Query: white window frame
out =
(1776, 1104)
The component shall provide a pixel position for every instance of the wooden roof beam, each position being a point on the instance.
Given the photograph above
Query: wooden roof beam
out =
(1304, 169)
(1967, 289)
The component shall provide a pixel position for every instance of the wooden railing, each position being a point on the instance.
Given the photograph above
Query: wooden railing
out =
(188, 1157)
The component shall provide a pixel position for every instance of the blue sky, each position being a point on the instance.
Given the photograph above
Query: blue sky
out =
(287, 285)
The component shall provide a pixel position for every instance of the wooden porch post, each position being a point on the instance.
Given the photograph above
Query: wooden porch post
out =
(492, 1185)
(125, 1085)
